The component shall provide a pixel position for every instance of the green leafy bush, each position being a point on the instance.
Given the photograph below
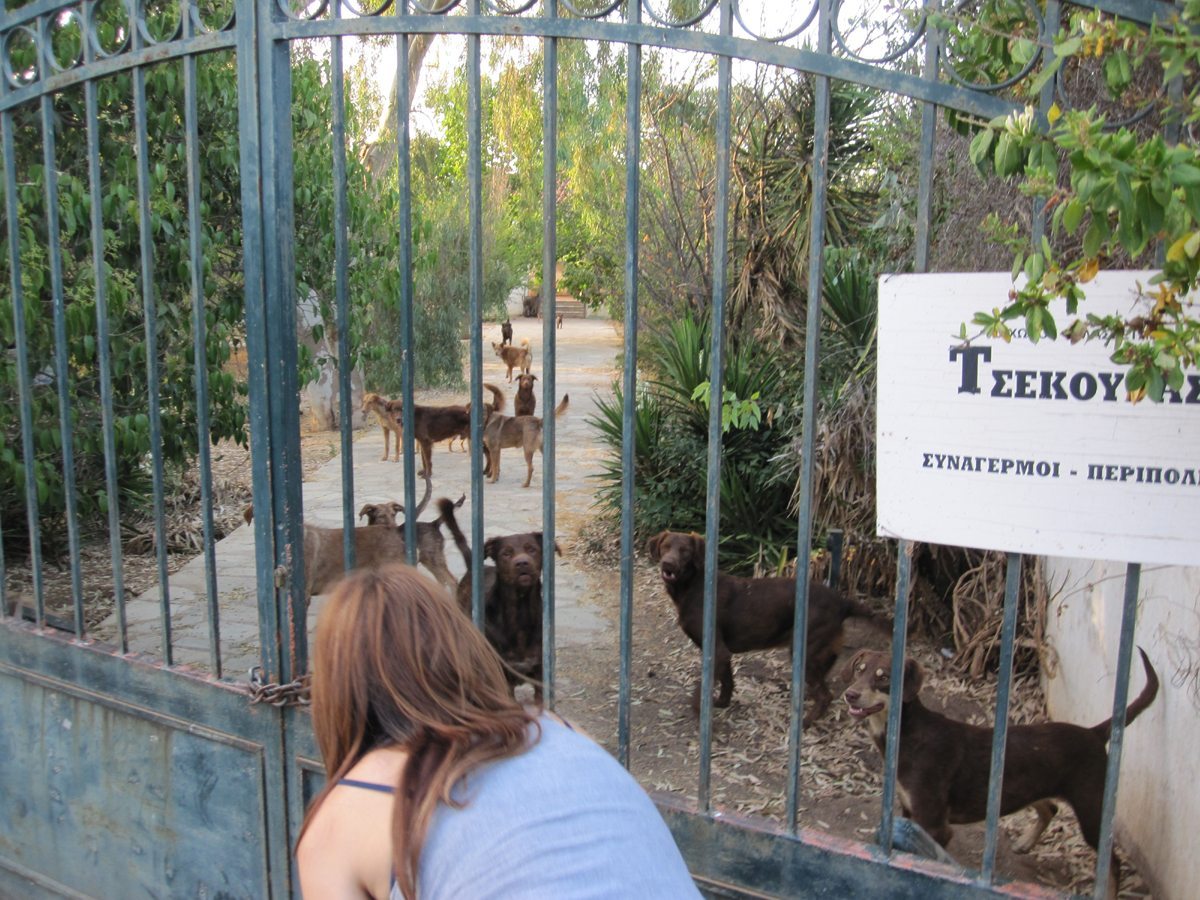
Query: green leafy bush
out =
(671, 420)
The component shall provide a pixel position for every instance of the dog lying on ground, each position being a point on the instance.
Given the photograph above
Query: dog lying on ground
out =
(437, 423)
(944, 764)
(525, 403)
(514, 431)
(505, 333)
(515, 357)
(385, 411)
(374, 545)
(752, 614)
(512, 597)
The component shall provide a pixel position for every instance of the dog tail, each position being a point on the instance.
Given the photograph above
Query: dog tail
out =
(446, 508)
(525, 343)
(1144, 699)
(497, 397)
(562, 407)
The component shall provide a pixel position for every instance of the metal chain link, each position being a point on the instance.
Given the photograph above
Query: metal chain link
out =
(294, 693)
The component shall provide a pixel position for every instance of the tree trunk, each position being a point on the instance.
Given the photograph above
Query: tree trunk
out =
(381, 153)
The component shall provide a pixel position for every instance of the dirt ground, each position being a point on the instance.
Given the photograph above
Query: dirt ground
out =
(841, 770)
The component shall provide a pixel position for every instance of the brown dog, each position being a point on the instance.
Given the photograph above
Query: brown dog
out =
(512, 597)
(559, 323)
(525, 403)
(515, 357)
(515, 431)
(505, 332)
(437, 423)
(385, 410)
(944, 764)
(374, 545)
(752, 614)
(431, 546)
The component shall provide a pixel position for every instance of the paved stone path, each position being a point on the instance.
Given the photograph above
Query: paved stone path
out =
(586, 350)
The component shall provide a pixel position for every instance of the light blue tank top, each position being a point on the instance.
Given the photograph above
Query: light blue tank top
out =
(562, 820)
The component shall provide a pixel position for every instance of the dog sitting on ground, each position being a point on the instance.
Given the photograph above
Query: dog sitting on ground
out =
(514, 431)
(752, 614)
(525, 403)
(437, 423)
(515, 357)
(505, 333)
(385, 410)
(512, 597)
(944, 764)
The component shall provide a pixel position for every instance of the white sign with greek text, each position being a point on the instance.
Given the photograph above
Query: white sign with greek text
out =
(1029, 448)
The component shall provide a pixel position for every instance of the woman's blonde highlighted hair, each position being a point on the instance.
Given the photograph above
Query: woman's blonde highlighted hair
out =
(396, 663)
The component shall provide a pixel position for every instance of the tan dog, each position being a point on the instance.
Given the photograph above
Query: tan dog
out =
(525, 403)
(374, 545)
(514, 431)
(515, 357)
(386, 411)
(431, 546)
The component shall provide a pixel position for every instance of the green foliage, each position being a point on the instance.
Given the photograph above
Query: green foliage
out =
(670, 426)
(1127, 192)
(170, 290)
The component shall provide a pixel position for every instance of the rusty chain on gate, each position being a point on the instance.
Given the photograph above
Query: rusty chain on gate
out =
(293, 693)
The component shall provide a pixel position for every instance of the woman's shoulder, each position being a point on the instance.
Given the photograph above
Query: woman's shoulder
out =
(347, 845)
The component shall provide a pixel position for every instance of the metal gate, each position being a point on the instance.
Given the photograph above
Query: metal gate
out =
(129, 772)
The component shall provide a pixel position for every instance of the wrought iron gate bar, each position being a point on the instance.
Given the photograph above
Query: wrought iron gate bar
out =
(24, 391)
(716, 382)
(1008, 633)
(1116, 739)
(200, 350)
(891, 752)
(474, 179)
(404, 182)
(150, 321)
(342, 302)
(633, 148)
(812, 336)
(61, 372)
(549, 310)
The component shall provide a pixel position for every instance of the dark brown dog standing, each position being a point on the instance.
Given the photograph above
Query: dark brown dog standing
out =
(505, 332)
(944, 764)
(515, 431)
(515, 357)
(525, 403)
(437, 423)
(512, 597)
(752, 614)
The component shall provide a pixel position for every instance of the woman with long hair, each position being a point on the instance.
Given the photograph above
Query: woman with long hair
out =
(440, 784)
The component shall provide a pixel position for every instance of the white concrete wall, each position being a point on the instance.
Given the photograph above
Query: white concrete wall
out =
(1158, 802)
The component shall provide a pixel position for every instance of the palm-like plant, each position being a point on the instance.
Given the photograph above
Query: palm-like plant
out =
(773, 173)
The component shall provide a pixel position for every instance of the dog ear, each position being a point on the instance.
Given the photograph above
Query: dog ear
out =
(914, 677)
(367, 509)
(491, 547)
(397, 508)
(654, 546)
